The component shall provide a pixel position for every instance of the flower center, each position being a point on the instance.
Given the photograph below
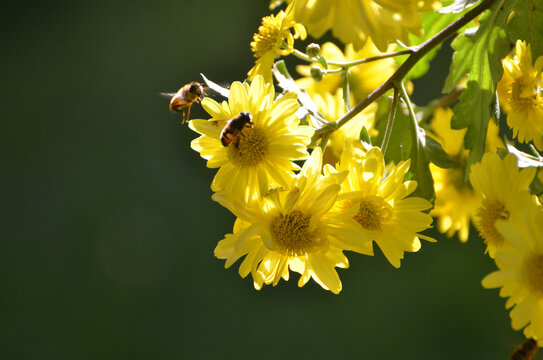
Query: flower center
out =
(373, 213)
(522, 97)
(292, 235)
(250, 148)
(270, 34)
(533, 273)
(488, 213)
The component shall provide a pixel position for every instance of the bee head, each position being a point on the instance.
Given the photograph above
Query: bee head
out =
(196, 89)
(246, 116)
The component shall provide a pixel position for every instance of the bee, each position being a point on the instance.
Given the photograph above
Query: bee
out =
(233, 128)
(525, 351)
(191, 93)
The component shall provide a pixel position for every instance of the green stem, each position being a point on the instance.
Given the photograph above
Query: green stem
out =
(390, 121)
(396, 78)
(346, 90)
(412, 116)
(324, 141)
(348, 64)
(332, 71)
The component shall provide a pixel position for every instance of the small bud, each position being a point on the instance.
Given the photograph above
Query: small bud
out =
(313, 50)
(316, 73)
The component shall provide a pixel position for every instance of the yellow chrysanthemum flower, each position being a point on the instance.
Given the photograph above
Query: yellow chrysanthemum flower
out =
(504, 190)
(452, 141)
(263, 154)
(520, 274)
(363, 78)
(333, 107)
(384, 212)
(520, 92)
(293, 229)
(274, 39)
(354, 21)
(456, 201)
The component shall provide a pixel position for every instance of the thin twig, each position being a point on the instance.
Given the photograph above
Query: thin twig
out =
(348, 64)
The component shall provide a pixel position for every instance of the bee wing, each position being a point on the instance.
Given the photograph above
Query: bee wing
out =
(168, 95)
(214, 94)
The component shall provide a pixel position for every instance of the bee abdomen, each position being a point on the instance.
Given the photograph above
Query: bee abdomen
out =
(227, 137)
(525, 351)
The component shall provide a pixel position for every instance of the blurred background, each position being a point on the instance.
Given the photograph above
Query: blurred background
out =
(108, 228)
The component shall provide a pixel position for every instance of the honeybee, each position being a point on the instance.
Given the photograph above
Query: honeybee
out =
(191, 93)
(525, 351)
(232, 130)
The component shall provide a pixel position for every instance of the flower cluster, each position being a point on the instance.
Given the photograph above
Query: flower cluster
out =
(302, 222)
(509, 220)
(519, 259)
(356, 21)
(300, 171)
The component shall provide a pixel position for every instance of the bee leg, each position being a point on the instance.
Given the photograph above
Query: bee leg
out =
(188, 115)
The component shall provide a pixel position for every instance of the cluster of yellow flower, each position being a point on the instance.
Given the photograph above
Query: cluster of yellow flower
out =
(497, 199)
(345, 196)
(304, 221)
(510, 218)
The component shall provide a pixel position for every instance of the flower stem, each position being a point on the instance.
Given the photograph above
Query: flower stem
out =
(348, 64)
(332, 71)
(418, 53)
(324, 141)
(346, 90)
(390, 121)
(412, 116)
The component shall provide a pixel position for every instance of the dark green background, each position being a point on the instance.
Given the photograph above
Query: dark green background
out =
(108, 228)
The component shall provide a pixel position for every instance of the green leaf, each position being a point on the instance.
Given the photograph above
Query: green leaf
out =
(479, 50)
(478, 53)
(436, 154)
(399, 131)
(411, 140)
(420, 166)
(423, 176)
(413, 148)
(415, 143)
(365, 137)
(526, 23)
(473, 112)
